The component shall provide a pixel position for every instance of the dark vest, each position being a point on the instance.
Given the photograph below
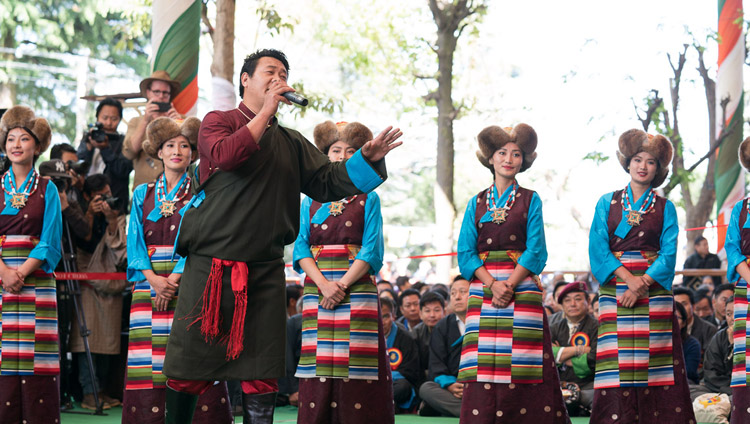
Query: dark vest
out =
(511, 234)
(164, 231)
(30, 219)
(744, 232)
(346, 228)
(646, 236)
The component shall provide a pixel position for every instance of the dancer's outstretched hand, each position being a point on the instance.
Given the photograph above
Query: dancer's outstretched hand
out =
(378, 147)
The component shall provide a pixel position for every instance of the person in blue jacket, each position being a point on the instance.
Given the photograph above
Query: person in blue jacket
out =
(507, 366)
(640, 371)
(156, 270)
(344, 372)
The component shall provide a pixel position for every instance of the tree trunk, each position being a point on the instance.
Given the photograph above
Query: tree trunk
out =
(8, 89)
(445, 209)
(222, 67)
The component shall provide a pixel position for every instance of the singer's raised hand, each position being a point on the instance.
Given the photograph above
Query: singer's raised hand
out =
(378, 147)
(273, 96)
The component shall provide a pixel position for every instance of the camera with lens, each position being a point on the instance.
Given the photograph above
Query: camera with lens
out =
(80, 167)
(111, 201)
(99, 135)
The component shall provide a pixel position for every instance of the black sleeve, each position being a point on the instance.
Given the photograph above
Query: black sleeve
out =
(715, 376)
(409, 367)
(84, 153)
(74, 216)
(118, 166)
(439, 352)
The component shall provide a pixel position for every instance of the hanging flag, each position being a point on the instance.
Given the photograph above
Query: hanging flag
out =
(175, 34)
(728, 175)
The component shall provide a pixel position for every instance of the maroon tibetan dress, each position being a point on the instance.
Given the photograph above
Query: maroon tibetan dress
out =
(338, 387)
(144, 397)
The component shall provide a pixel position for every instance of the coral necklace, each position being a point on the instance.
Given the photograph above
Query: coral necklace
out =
(18, 199)
(500, 213)
(167, 207)
(636, 217)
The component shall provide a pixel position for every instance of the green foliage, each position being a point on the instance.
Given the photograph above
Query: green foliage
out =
(268, 14)
(42, 32)
(408, 199)
(597, 157)
(319, 102)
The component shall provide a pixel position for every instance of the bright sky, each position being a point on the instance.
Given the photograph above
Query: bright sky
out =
(569, 69)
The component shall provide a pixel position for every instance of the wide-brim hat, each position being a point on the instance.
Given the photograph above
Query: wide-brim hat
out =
(354, 134)
(161, 75)
(636, 141)
(162, 129)
(493, 138)
(23, 117)
(574, 287)
(744, 153)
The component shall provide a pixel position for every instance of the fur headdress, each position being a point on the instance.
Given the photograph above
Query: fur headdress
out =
(163, 129)
(744, 153)
(636, 141)
(352, 133)
(492, 138)
(23, 117)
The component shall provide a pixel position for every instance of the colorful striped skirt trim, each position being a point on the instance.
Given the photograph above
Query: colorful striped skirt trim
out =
(741, 367)
(342, 342)
(503, 345)
(149, 328)
(634, 347)
(28, 321)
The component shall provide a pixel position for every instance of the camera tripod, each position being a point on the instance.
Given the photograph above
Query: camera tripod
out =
(73, 293)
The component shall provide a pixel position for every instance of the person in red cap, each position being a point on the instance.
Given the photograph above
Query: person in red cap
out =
(574, 342)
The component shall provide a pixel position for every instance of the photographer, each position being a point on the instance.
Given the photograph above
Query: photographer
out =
(159, 90)
(101, 250)
(70, 196)
(101, 147)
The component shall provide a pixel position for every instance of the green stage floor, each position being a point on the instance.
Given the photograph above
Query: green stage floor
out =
(285, 415)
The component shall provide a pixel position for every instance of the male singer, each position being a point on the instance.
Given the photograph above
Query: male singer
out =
(230, 317)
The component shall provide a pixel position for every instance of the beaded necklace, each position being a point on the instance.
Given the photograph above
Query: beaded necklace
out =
(337, 207)
(500, 213)
(18, 199)
(636, 217)
(167, 207)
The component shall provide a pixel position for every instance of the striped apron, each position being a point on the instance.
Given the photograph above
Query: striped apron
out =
(634, 346)
(28, 321)
(503, 345)
(342, 342)
(149, 328)
(741, 367)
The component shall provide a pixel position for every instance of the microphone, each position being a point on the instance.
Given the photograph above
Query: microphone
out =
(296, 98)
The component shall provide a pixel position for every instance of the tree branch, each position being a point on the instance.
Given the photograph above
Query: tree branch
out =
(206, 21)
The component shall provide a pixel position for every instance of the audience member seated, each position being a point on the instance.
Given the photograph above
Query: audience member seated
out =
(403, 283)
(574, 344)
(104, 154)
(698, 328)
(102, 250)
(442, 394)
(552, 302)
(701, 259)
(384, 285)
(404, 358)
(721, 295)
(703, 307)
(595, 307)
(389, 293)
(691, 348)
(408, 302)
(431, 310)
(293, 294)
(289, 385)
(158, 89)
(718, 360)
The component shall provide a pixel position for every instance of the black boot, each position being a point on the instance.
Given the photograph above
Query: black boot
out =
(180, 407)
(258, 409)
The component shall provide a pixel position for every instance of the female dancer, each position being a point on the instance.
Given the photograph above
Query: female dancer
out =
(507, 365)
(738, 251)
(640, 372)
(30, 233)
(154, 223)
(343, 369)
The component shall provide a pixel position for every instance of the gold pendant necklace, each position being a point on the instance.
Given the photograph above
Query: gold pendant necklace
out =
(18, 200)
(167, 208)
(634, 218)
(499, 215)
(337, 208)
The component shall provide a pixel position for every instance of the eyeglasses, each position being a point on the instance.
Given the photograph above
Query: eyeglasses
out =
(161, 93)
